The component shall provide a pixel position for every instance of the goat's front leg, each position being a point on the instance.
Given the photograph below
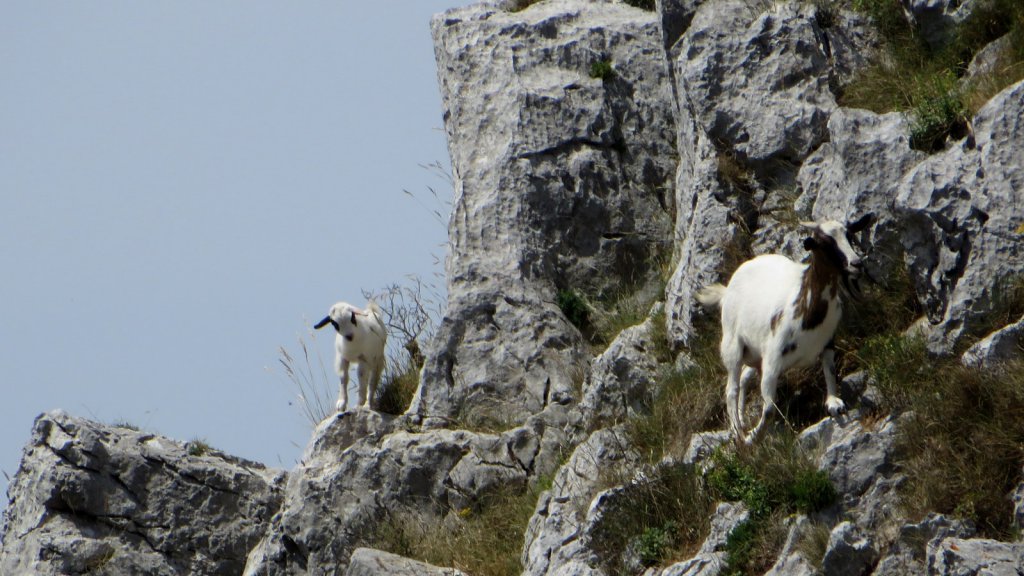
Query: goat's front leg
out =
(342, 404)
(364, 379)
(833, 402)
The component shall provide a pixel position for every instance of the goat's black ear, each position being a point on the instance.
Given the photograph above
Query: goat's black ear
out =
(865, 221)
(322, 323)
(353, 318)
(810, 243)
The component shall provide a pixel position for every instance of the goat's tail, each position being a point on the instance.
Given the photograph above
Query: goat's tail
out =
(711, 296)
(374, 310)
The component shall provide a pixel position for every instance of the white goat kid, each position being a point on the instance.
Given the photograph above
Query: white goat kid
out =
(361, 338)
(778, 314)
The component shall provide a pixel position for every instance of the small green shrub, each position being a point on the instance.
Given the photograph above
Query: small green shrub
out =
(938, 112)
(575, 308)
(655, 543)
(602, 69)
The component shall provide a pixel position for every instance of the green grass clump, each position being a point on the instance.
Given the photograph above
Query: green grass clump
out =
(484, 540)
(602, 69)
(925, 80)
(663, 517)
(962, 439)
(687, 401)
(397, 387)
(198, 447)
(774, 479)
(575, 308)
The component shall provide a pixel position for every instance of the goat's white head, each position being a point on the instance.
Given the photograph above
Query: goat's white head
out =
(341, 314)
(832, 240)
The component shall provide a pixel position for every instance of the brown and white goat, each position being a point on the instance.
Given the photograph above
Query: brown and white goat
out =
(361, 339)
(778, 314)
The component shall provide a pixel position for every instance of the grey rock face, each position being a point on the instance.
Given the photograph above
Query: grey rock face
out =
(1002, 345)
(342, 489)
(758, 81)
(908, 554)
(860, 464)
(370, 562)
(623, 379)
(562, 180)
(956, 556)
(962, 219)
(97, 499)
(935, 19)
(850, 552)
(556, 538)
(791, 561)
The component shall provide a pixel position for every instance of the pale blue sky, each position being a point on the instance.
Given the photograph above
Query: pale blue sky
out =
(180, 184)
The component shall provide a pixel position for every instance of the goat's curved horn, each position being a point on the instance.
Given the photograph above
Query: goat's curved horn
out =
(354, 318)
(322, 323)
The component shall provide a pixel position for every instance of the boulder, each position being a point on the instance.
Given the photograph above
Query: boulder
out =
(956, 556)
(623, 380)
(560, 128)
(100, 499)
(370, 562)
(1000, 346)
(962, 238)
(850, 552)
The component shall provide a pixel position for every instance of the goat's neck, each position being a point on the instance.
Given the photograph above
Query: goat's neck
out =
(818, 287)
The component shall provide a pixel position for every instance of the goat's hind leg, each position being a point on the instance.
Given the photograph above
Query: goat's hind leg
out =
(769, 382)
(732, 359)
(745, 379)
(364, 372)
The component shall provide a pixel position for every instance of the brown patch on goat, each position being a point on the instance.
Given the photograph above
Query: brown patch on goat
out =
(821, 276)
(776, 319)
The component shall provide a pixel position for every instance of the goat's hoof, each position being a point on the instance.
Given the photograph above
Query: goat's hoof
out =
(341, 406)
(836, 407)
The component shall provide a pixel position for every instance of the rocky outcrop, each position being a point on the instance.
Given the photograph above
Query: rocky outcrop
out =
(347, 483)
(96, 499)
(962, 237)
(370, 562)
(560, 126)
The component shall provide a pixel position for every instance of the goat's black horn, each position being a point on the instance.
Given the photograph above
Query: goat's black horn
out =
(354, 318)
(322, 323)
(864, 221)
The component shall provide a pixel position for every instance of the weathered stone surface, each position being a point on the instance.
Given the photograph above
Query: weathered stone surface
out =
(1002, 345)
(791, 561)
(962, 220)
(703, 444)
(850, 552)
(623, 379)
(98, 499)
(562, 181)
(936, 19)
(960, 557)
(556, 538)
(370, 562)
(342, 489)
(758, 80)
(907, 555)
(860, 463)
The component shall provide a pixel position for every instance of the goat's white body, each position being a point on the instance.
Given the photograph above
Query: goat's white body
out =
(361, 343)
(762, 329)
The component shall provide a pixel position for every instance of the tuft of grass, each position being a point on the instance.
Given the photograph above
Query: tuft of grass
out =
(774, 478)
(925, 81)
(126, 425)
(198, 447)
(961, 441)
(486, 539)
(687, 401)
(663, 516)
(813, 544)
(309, 378)
(398, 386)
(602, 69)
